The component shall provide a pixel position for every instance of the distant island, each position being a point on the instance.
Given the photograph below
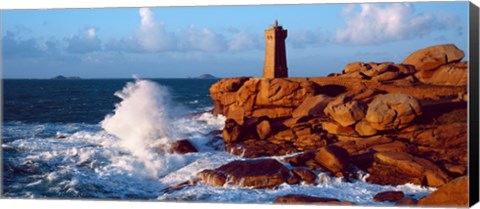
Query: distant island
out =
(205, 76)
(61, 77)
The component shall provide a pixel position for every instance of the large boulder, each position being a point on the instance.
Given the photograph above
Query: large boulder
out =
(182, 147)
(454, 74)
(312, 106)
(392, 111)
(435, 56)
(395, 168)
(453, 194)
(212, 177)
(334, 158)
(306, 175)
(263, 173)
(345, 110)
(391, 196)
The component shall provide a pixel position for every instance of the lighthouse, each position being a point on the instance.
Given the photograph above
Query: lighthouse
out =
(275, 64)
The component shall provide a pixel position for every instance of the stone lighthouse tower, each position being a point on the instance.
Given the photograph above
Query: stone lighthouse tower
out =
(275, 65)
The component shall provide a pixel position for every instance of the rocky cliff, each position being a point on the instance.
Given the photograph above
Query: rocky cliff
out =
(401, 123)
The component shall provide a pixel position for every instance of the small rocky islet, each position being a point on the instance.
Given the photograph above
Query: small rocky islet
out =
(399, 122)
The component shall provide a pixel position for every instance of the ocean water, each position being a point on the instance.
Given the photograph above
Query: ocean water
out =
(100, 139)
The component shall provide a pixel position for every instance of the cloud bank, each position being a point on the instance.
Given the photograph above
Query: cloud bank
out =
(377, 23)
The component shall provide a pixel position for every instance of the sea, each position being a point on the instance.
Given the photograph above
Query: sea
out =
(100, 139)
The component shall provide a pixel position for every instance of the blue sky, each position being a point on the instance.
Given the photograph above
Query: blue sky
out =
(226, 41)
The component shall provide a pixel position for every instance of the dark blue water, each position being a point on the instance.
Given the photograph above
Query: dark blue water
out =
(87, 101)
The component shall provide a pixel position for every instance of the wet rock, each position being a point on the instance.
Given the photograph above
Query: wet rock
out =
(334, 158)
(300, 159)
(215, 132)
(391, 196)
(235, 132)
(305, 175)
(298, 199)
(231, 131)
(213, 177)
(182, 147)
(293, 179)
(453, 194)
(392, 111)
(263, 173)
(435, 56)
(180, 186)
(345, 111)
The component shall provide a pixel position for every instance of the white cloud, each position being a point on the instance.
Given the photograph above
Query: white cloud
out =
(244, 41)
(84, 42)
(377, 23)
(201, 39)
(91, 33)
(152, 35)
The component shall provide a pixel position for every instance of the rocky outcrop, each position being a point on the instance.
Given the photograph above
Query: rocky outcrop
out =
(433, 57)
(399, 122)
(453, 74)
(392, 111)
(453, 194)
(312, 106)
(266, 173)
(396, 168)
(333, 158)
(345, 111)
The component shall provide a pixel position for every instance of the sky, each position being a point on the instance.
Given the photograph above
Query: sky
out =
(225, 41)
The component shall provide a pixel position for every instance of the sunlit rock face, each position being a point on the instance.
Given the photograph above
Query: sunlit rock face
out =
(399, 122)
